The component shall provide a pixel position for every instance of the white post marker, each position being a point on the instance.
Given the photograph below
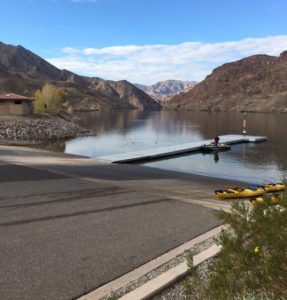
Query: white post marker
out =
(244, 125)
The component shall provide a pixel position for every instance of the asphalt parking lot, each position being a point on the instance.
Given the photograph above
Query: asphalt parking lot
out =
(63, 236)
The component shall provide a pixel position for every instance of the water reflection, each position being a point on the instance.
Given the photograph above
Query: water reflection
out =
(124, 121)
(56, 146)
(118, 132)
(106, 122)
(216, 157)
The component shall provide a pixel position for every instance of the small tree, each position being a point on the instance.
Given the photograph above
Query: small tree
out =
(49, 100)
(253, 260)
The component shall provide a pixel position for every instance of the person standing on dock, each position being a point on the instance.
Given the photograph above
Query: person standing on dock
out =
(216, 140)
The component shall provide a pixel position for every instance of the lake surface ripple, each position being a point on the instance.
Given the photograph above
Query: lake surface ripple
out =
(118, 132)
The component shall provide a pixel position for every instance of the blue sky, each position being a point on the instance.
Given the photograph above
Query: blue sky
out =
(143, 40)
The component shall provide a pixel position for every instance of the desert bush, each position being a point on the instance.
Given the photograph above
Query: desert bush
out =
(253, 261)
(49, 100)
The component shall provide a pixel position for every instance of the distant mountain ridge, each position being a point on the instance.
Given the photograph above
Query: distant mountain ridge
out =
(256, 83)
(163, 91)
(23, 72)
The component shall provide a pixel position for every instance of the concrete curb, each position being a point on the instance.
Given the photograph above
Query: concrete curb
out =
(153, 264)
(156, 285)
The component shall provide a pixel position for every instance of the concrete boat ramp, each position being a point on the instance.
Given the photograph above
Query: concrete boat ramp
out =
(148, 154)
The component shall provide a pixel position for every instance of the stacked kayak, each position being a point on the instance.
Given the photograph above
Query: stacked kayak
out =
(250, 192)
(230, 193)
(274, 187)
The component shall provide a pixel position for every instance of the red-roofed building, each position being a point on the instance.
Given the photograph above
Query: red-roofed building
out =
(12, 104)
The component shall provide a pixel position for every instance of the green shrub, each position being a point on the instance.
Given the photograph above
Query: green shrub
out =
(113, 297)
(253, 261)
(49, 100)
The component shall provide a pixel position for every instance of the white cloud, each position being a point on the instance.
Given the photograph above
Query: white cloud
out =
(150, 63)
(69, 50)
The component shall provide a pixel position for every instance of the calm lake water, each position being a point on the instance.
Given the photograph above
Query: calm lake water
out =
(118, 132)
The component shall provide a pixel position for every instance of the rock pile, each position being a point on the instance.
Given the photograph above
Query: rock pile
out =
(34, 130)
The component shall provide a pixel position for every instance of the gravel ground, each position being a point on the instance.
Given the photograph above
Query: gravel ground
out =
(177, 289)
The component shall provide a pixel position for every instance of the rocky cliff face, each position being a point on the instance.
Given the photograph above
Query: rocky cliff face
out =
(19, 60)
(257, 83)
(163, 91)
(23, 72)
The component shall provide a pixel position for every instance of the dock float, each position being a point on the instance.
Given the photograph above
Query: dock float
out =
(149, 154)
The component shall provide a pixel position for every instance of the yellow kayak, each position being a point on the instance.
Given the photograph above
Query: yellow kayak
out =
(231, 193)
(272, 187)
(274, 199)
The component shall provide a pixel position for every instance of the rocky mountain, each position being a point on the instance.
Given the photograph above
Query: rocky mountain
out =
(163, 91)
(23, 72)
(257, 83)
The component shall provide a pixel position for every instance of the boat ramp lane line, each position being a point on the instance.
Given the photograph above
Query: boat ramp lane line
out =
(124, 280)
(176, 149)
(156, 285)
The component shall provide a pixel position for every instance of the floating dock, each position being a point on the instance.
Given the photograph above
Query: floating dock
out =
(149, 154)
